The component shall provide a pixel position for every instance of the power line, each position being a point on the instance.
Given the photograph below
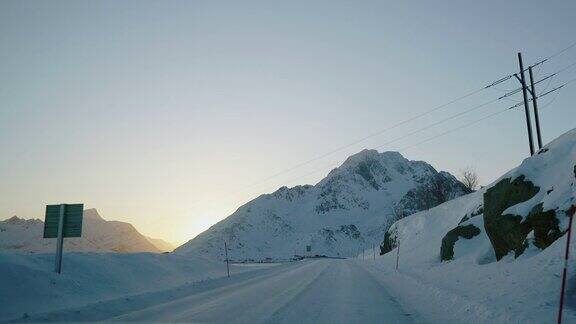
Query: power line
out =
(490, 102)
(323, 168)
(487, 117)
(560, 52)
(417, 131)
(360, 140)
(551, 101)
(425, 113)
(441, 121)
(462, 126)
(454, 129)
(517, 90)
(539, 64)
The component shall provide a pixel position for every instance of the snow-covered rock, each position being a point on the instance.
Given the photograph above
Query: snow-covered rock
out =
(348, 210)
(98, 235)
(497, 253)
(525, 209)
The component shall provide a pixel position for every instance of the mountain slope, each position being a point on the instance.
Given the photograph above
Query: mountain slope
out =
(498, 251)
(349, 209)
(21, 235)
(160, 244)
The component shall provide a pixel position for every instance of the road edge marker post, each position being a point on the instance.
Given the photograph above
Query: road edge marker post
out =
(227, 262)
(397, 254)
(571, 212)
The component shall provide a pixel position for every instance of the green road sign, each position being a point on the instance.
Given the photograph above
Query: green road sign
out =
(72, 220)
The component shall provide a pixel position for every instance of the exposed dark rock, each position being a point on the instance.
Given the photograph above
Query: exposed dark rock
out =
(389, 243)
(508, 232)
(545, 225)
(447, 248)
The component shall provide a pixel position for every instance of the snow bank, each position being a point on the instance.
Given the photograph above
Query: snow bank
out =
(29, 284)
(473, 287)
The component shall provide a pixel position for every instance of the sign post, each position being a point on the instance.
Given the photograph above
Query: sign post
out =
(64, 220)
(60, 242)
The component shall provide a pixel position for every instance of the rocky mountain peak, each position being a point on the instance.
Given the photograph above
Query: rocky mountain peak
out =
(389, 158)
(92, 214)
(14, 219)
(354, 204)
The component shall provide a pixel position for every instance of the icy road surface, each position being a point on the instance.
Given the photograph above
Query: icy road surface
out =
(320, 291)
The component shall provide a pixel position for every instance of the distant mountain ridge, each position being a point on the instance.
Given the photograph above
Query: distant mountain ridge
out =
(350, 209)
(98, 234)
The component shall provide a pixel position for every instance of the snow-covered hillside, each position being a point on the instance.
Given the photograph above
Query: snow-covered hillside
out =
(496, 253)
(98, 235)
(160, 244)
(349, 209)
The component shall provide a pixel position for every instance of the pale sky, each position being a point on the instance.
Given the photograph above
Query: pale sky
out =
(165, 113)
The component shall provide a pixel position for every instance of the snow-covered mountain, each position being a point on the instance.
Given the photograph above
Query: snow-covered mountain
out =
(348, 210)
(498, 250)
(25, 235)
(160, 244)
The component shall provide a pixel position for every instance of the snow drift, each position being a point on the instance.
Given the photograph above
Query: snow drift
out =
(98, 283)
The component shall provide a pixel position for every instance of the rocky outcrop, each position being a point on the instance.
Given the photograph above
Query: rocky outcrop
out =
(389, 242)
(507, 232)
(461, 231)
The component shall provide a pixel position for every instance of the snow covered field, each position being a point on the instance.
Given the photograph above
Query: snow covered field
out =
(313, 291)
(318, 291)
(29, 286)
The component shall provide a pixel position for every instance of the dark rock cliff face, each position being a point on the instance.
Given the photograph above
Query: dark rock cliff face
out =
(509, 233)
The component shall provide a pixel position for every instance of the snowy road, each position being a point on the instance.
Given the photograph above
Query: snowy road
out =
(322, 291)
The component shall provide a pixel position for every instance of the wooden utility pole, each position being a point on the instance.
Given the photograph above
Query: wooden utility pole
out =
(535, 106)
(227, 263)
(522, 80)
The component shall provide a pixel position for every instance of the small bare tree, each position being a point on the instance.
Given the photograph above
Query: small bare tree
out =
(397, 211)
(469, 178)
